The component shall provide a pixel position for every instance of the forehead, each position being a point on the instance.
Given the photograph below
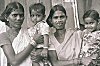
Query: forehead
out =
(89, 19)
(36, 11)
(17, 11)
(58, 13)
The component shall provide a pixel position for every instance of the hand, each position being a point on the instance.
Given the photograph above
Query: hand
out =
(44, 52)
(86, 60)
(38, 38)
(75, 61)
(36, 55)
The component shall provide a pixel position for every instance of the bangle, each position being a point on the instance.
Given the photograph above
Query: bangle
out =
(32, 42)
(45, 47)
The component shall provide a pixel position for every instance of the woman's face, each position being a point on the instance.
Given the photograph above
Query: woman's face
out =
(59, 20)
(16, 18)
(90, 24)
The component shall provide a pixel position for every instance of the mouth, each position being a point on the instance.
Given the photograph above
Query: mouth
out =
(60, 24)
(18, 23)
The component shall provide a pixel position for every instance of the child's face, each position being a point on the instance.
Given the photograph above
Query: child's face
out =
(90, 24)
(36, 16)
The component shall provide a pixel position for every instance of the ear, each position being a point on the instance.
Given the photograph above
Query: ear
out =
(66, 17)
(44, 16)
(7, 19)
(98, 21)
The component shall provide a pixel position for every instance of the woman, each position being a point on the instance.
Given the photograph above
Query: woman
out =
(65, 44)
(12, 38)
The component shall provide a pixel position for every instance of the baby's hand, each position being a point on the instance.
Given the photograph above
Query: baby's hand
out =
(44, 52)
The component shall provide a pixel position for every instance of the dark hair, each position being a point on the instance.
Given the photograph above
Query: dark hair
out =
(37, 7)
(93, 14)
(52, 11)
(9, 8)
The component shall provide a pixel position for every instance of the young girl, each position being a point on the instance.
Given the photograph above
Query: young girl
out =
(91, 37)
(37, 14)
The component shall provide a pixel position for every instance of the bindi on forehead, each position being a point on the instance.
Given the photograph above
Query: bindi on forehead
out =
(17, 11)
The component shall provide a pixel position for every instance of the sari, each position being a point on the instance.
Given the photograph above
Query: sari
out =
(70, 47)
(3, 28)
(20, 43)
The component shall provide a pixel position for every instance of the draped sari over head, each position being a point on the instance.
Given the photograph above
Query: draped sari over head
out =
(70, 47)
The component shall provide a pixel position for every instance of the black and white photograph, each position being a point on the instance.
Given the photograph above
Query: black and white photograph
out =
(49, 32)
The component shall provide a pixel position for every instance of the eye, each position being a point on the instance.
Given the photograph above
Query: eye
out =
(38, 15)
(62, 17)
(32, 15)
(91, 22)
(86, 23)
(14, 15)
(55, 17)
(21, 15)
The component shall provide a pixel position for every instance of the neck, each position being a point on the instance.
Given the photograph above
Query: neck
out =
(60, 32)
(14, 31)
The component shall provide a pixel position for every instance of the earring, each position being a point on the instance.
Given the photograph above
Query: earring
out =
(7, 20)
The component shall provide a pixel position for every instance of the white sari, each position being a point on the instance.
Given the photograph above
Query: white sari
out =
(3, 60)
(70, 47)
(20, 43)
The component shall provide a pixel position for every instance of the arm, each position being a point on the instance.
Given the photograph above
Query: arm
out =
(44, 52)
(16, 59)
(46, 40)
(55, 62)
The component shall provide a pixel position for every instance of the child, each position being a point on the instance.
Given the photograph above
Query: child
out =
(91, 37)
(37, 14)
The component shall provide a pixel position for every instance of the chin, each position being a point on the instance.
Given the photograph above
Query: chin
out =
(60, 28)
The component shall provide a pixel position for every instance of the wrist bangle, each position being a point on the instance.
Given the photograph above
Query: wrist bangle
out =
(45, 47)
(79, 61)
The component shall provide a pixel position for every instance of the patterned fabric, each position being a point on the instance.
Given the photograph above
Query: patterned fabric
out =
(91, 44)
(40, 28)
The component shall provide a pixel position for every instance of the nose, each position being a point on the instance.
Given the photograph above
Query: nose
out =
(18, 17)
(34, 18)
(87, 26)
(59, 19)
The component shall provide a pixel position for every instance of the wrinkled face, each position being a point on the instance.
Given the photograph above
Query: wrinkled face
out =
(59, 20)
(90, 24)
(36, 16)
(16, 18)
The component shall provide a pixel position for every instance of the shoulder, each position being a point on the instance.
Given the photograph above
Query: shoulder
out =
(4, 39)
(3, 35)
(74, 30)
(43, 23)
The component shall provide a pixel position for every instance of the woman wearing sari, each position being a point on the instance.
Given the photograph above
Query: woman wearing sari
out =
(15, 42)
(65, 44)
